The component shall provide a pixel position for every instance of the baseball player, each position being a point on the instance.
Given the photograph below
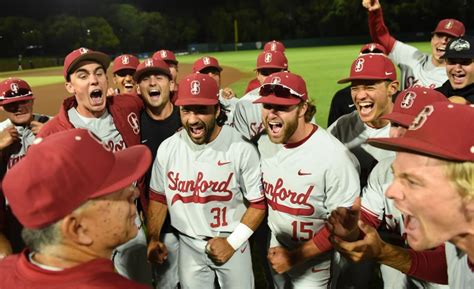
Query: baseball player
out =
(124, 67)
(113, 119)
(76, 200)
(210, 65)
(208, 178)
(159, 120)
(306, 173)
(373, 83)
(341, 102)
(17, 133)
(417, 68)
(445, 165)
(459, 58)
(247, 115)
(273, 45)
(170, 59)
(376, 209)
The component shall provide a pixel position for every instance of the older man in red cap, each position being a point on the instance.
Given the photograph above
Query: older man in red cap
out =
(306, 173)
(208, 178)
(417, 68)
(17, 133)
(76, 201)
(375, 209)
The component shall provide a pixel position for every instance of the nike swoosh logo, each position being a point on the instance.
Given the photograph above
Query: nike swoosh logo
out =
(219, 163)
(300, 173)
(318, 270)
(144, 141)
(388, 73)
(243, 249)
(351, 105)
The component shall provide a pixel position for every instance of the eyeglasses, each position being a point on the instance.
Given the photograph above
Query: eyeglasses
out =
(277, 90)
(461, 61)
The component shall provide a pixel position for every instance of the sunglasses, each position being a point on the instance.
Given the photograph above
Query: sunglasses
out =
(277, 90)
(462, 61)
(212, 70)
(125, 72)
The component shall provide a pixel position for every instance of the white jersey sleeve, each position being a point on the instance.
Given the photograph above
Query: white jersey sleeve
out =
(460, 273)
(157, 179)
(248, 115)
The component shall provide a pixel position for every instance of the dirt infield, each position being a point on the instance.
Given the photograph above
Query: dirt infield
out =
(49, 97)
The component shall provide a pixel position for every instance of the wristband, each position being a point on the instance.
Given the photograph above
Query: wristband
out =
(240, 234)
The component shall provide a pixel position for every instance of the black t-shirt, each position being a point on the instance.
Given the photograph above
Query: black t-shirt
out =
(341, 104)
(466, 92)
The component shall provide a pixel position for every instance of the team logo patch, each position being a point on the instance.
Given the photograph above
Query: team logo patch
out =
(408, 100)
(195, 87)
(133, 122)
(14, 87)
(276, 80)
(149, 62)
(449, 25)
(125, 59)
(268, 57)
(421, 118)
(83, 50)
(359, 65)
(273, 47)
(206, 60)
(460, 45)
(163, 54)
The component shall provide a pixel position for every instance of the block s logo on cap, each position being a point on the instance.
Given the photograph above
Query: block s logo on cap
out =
(195, 87)
(359, 65)
(460, 45)
(125, 59)
(408, 100)
(14, 87)
(276, 80)
(421, 118)
(268, 57)
(163, 54)
(206, 60)
(83, 50)
(449, 25)
(149, 62)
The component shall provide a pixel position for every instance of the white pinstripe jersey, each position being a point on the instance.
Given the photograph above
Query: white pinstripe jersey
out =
(248, 115)
(303, 184)
(205, 185)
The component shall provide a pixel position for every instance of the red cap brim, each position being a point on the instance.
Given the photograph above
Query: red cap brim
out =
(195, 101)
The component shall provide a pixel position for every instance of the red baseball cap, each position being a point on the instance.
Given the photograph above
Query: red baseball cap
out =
(125, 61)
(14, 89)
(272, 59)
(371, 67)
(283, 88)
(205, 62)
(197, 89)
(442, 130)
(166, 56)
(152, 65)
(373, 48)
(410, 102)
(274, 45)
(75, 57)
(61, 172)
(451, 27)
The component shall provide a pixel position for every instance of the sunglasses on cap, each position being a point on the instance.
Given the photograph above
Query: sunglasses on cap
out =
(462, 61)
(278, 90)
(125, 72)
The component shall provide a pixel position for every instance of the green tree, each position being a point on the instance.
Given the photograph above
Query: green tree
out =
(99, 34)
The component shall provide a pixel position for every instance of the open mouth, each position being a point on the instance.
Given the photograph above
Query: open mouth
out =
(196, 131)
(96, 96)
(275, 127)
(128, 86)
(154, 93)
(441, 50)
(365, 107)
(411, 223)
(458, 78)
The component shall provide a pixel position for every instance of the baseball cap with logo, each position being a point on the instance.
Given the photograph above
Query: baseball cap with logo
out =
(436, 131)
(197, 89)
(14, 89)
(410, 102)
(371, 67)
(373, 48)
(73, 59)
(125, 61)
(274, 45)
(462, 47)
(151, 65)
(452, 27)
(272, 59)
(64, 170)
(283, 88)
(205, 62)
(166, 56)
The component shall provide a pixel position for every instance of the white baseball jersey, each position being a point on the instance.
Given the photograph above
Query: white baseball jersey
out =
(248, 115)
(304, 183)
(460, 273)
(416, 67)
(205, 185)
(26, 138)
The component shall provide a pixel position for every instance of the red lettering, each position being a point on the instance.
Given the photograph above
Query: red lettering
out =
(277, 193)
